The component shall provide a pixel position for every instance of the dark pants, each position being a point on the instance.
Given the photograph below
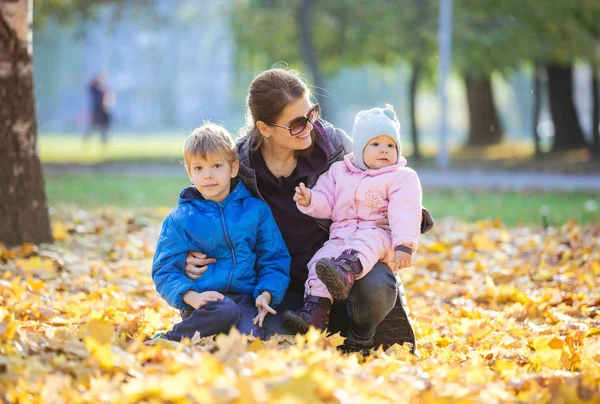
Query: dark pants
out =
(374, 313)
(218, 317)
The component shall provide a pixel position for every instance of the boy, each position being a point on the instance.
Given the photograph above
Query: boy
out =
(219, 217)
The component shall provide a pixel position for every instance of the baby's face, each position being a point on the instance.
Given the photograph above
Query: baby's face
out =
(380, 152)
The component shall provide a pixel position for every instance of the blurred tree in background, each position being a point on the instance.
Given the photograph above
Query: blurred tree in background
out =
(559, 35)
(23, 205)
(489, 37)
(326, 36)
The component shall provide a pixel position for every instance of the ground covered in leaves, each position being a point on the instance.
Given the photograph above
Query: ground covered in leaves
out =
(501, 315)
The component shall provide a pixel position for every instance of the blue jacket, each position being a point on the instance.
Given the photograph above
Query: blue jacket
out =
(240, 233)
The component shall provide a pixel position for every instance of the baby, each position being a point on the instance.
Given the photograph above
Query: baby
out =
(370, 184)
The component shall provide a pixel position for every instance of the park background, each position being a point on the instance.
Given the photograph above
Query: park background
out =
(504, 290)
(520, 93)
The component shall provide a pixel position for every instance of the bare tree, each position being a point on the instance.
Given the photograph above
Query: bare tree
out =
(23, 208)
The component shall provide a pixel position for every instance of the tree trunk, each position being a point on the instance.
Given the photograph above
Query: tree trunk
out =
(537, 106)
(414, 130)
(595, 113)
(23, 209)
(304, 18)
(567, 131)
(484, 124)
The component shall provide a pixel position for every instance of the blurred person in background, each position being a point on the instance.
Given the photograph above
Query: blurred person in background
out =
(100, 101)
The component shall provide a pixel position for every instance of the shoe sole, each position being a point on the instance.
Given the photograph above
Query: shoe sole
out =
(326, 272)
(294, 325)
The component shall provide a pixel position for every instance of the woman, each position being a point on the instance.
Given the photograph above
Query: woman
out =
(287, 144)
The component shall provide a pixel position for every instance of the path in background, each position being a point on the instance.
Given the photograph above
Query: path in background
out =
(433, 178)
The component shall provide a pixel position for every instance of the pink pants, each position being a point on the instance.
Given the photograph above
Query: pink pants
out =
(372, 245)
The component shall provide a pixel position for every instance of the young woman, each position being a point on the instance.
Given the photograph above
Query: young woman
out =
(285, 144)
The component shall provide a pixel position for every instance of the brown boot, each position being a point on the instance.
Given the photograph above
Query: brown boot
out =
(339, 274)
(315, 312)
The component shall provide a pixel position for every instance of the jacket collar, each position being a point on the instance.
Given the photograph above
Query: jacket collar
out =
(351, 165)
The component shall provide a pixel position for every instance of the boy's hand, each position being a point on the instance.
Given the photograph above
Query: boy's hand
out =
(262, 302)
(302, 195)
(197, 300)
(401, 260)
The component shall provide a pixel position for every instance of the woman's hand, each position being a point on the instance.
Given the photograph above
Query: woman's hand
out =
(197, 300)
(384, 223)
(262, 302)
(196, 264)
(402, 260)
(303, 195)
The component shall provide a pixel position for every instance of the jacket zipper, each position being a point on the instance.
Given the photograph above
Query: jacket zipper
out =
(230, 246)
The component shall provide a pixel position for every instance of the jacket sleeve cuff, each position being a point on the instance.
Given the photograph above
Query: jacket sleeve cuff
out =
(179, 302)
(410, 244)
(404, 248)
(307, 210)
(275, 299)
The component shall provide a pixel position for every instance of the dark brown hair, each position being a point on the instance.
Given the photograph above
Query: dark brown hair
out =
(269, 94)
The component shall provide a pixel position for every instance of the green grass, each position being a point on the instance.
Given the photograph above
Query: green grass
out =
(515, 207)
(157, 147)
(512, 208)
(91, 192)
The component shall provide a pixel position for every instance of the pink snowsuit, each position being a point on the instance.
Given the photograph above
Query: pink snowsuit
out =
(354, 199)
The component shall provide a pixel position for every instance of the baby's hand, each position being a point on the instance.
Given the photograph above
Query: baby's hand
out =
(262, 302)
(302, 195)
(197, 300)
(401, 260)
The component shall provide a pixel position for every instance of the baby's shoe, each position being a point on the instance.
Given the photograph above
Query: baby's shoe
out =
(315, 312)
(339, 274)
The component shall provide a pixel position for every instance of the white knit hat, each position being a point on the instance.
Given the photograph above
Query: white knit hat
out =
(372, 123)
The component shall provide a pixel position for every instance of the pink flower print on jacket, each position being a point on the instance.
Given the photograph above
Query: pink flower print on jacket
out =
(373, 199)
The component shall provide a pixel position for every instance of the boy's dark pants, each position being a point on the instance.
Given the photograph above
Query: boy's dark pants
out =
(218, 317)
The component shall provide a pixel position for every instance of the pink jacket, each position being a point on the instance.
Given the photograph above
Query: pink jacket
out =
(354, 199)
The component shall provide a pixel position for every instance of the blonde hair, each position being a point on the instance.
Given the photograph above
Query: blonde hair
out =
(209, 138)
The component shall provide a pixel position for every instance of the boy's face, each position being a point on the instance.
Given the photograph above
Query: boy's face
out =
(212, 176)
(380, 152)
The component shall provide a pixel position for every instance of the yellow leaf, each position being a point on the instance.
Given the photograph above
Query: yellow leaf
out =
(478, 332)
(153, 318)
(8, 327)
(35, 264)
(256, 345)
(101, 352)
(335, 340)
(301, 386)
(59, 231)
(483, 243)
(231, 346)
(437, 247)
(100, 330)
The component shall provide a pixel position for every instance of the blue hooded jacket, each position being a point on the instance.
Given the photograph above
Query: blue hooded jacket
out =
(240, 233)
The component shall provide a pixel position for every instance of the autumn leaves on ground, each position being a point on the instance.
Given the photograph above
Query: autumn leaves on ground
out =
(501, 315)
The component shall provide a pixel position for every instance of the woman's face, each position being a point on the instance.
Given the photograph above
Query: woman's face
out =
(281, 137)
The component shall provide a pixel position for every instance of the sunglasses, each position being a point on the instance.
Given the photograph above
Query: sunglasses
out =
(297, 125)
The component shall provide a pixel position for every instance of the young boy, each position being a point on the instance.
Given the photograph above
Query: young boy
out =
(218, 217)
